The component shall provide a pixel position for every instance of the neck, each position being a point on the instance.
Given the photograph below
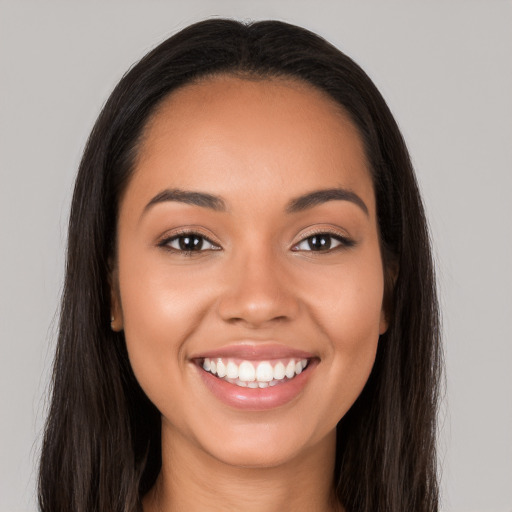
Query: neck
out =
(194, 481)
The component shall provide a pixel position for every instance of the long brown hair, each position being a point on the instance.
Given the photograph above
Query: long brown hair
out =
(101, 449)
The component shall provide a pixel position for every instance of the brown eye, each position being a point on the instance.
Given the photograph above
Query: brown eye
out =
(189, 242)
(319, 242)
(323, 242)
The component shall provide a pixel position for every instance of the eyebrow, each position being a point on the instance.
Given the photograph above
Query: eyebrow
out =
(318, 197)
(298, 204)
(183, 196)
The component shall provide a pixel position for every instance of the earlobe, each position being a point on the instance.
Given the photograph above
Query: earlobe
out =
(116, 312)
(116, 315)
(116, 323)
(383, 324)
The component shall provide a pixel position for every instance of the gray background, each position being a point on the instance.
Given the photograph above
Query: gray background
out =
(445, 67)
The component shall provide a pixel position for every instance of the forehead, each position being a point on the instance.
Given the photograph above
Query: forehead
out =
(226, 134)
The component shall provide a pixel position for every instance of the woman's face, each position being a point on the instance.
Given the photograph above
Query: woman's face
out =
(249, 279)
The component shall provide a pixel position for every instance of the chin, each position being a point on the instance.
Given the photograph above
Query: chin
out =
(252, 456)
(263, 444)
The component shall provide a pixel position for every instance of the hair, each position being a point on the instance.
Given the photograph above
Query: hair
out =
(102, 449)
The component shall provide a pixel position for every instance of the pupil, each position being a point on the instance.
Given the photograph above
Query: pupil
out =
(319, 242)
(190, 243)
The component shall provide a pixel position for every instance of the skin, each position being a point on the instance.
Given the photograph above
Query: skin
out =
(258, 144)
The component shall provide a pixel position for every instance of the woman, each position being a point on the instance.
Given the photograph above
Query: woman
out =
(249, 319)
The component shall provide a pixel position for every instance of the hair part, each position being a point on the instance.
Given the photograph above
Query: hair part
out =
(101, 448)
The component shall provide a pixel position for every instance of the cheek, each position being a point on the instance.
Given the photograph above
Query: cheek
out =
(349, 300)
(348, 309)
(161, 310)
(159, 301)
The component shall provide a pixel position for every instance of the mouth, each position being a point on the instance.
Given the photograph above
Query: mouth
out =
(256, 378)
(254, 374)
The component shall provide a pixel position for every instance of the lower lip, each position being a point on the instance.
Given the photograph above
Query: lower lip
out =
(256, 399)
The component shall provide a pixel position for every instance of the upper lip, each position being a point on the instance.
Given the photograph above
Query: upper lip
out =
(248, 350)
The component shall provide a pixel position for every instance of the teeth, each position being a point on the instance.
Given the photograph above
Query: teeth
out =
(254, 375)
(264, 372)
(246, 372)
(289, 372)
(279, 371)
(221, 369)
(232, 370)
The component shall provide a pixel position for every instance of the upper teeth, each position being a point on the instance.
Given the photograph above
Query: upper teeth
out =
(262, 372)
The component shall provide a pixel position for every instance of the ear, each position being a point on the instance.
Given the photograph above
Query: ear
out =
(116, 311)
(383, 323)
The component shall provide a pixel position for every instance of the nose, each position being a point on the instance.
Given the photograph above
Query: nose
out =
(257, 292)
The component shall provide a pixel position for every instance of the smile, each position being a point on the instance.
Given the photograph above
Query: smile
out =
(255, 377)
(254, 374)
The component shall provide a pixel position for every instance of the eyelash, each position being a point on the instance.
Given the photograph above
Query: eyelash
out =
(344, 242)
(165, 243)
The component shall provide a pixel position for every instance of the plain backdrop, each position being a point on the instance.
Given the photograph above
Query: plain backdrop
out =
(445, 68)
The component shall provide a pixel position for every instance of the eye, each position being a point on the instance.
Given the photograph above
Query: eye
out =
(322, 242)
(189, 242)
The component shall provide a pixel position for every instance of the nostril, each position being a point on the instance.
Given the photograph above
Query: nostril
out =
(253, 298)
(254, 323)
(254, 312)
